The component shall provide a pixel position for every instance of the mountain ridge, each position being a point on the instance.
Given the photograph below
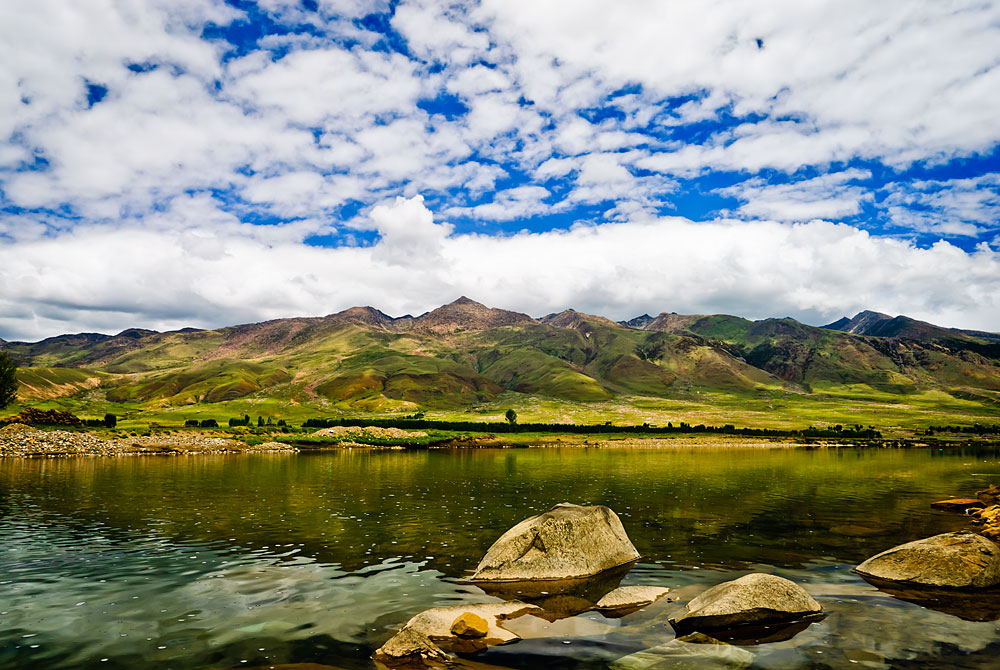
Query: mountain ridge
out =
(464, 354)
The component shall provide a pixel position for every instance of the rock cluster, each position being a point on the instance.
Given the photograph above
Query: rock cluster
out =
(24, 441)
(570, 560)
(987, 521)
(567, 560)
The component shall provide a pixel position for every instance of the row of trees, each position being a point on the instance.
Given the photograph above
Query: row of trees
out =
(511, 426)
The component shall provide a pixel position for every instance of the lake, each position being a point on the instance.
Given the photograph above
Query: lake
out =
(259, 560)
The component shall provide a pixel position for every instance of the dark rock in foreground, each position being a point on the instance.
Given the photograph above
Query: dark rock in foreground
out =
(952, 560)
(566, 542)
(753, 599)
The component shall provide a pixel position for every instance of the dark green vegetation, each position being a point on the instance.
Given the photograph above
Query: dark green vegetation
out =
(465, 361)
(8, 380)
(838, 431)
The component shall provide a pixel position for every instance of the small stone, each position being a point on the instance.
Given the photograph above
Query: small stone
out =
(470, 625)
(411, 648)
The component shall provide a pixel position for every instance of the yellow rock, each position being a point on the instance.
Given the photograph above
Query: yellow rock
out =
(470, 625)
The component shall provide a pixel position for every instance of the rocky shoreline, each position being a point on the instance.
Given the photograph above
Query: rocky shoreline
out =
(19, 440)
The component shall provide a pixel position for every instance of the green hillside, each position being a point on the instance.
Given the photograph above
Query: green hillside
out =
(467, 359)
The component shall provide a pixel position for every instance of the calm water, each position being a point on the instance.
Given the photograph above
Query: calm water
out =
(245, 561)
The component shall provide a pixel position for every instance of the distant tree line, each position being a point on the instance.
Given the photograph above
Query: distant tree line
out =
(975, 429)
(109, 421)
(856, 431)
(235, 422)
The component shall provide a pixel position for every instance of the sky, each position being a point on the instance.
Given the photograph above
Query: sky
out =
(175, 163)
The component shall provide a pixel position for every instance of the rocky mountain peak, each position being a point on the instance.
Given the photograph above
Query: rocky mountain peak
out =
(468, 314)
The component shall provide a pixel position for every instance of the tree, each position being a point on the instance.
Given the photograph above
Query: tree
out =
(511, 416)
(260, 422)
(110, 420)
(8, 380)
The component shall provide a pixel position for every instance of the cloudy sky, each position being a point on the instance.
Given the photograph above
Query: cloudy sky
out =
(170, 163)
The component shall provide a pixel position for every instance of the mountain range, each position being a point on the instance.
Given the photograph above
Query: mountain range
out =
(465, 354)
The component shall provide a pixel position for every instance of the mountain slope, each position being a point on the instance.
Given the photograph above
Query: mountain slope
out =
(465, 354)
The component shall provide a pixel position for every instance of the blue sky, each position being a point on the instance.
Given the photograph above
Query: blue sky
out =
(197, 162)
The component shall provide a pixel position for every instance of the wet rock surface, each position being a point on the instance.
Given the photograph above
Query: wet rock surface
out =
(962, 560)
(753, 599)
(566, 542)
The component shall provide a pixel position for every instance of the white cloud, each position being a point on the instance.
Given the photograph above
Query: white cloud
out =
(171, 162)
(816, 272)
(870, 79)
(953, 207)
(829, 196)
(335, 86)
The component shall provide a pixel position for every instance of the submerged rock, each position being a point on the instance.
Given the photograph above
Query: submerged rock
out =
(683, 653)
(559, 598)
(566, 542)
(953, 560)
(753, 599)
(626, 599)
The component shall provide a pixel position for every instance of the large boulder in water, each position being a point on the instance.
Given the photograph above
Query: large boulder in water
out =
(566, 542)
(753, 599)
(952, 560)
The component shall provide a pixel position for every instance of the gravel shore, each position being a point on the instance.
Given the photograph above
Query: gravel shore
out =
(24, 441)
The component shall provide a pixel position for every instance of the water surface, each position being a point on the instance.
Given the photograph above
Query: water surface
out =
(257, 560)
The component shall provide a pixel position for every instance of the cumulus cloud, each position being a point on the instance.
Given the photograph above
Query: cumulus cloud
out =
(816, 272)
(829, 196)
(954, 207)
(126, 133)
